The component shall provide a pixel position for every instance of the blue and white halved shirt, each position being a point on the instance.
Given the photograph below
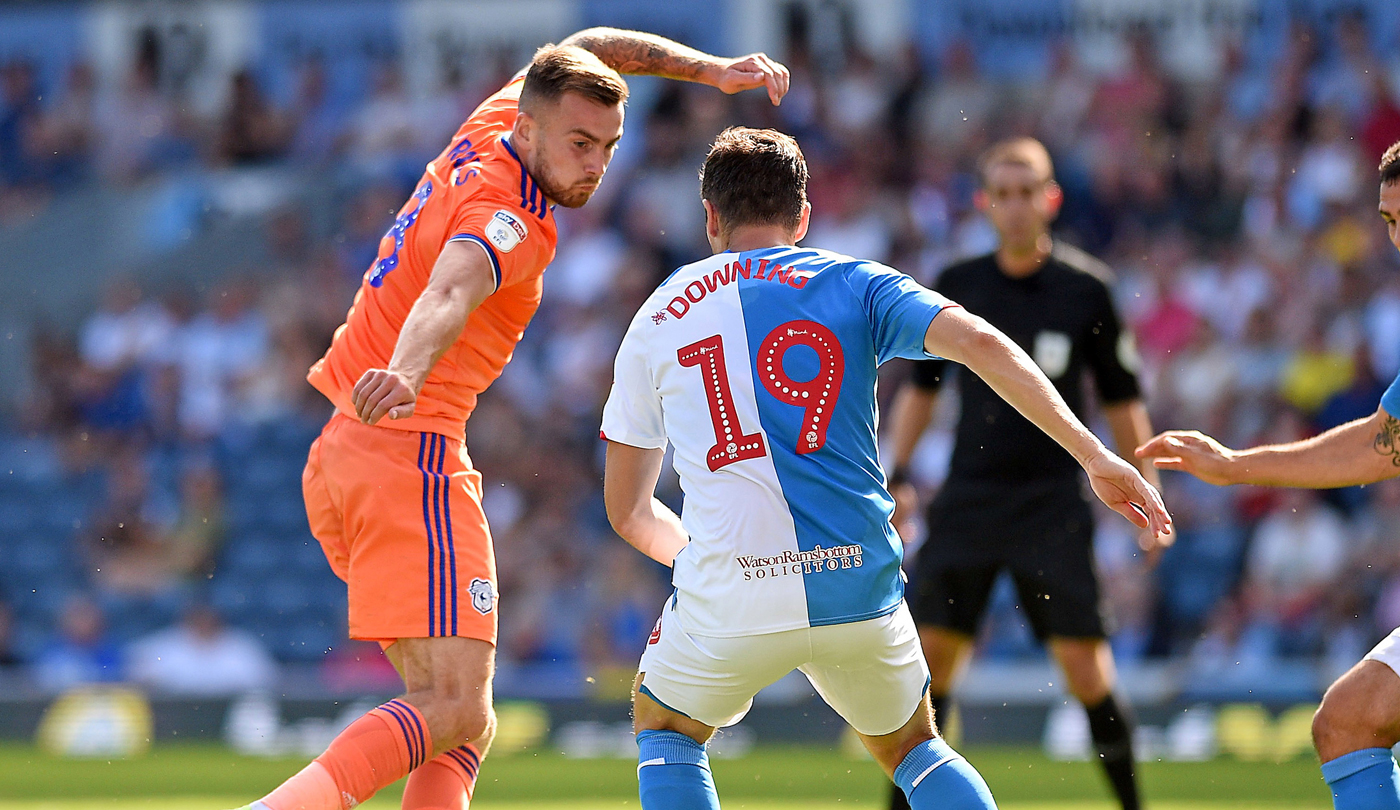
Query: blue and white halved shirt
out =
(760, 368)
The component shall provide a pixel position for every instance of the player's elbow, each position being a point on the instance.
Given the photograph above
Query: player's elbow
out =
(588, 38)
(980, 345)
(624, 515)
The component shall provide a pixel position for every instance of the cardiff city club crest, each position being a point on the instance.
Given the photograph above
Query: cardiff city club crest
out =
(483, 596)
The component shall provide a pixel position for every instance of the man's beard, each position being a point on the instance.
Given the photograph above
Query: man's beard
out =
(569, 197)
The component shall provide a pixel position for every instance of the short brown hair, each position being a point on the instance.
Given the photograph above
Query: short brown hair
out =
(755, 177)
(1390, 164)
(1026, 152)
(560, 69)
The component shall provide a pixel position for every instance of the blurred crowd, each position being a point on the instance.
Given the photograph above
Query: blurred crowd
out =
(1239, 215)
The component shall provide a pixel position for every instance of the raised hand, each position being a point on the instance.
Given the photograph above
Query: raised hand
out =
(381, 392)
(1190, 451)
(752, 71)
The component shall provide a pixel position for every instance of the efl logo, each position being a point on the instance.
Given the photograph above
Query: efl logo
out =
(506, 231)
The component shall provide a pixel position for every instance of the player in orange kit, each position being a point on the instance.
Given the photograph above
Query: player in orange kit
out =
(395, 502)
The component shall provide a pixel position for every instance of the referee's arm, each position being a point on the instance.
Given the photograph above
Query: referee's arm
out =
(912, 413)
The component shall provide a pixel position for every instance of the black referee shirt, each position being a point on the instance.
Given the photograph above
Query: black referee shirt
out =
(1063, 316)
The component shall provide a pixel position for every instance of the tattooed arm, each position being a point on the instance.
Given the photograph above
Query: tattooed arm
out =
(642, 54)
(1361, 452)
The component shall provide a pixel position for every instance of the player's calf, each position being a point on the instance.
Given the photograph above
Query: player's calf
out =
(673, 770)
(926, 767)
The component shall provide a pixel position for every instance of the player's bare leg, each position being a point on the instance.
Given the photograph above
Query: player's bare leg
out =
(1090, 675)
(446, 708)
(926, 769)
(673, 770)
(1354, 729)
(446, 781)
(947, 653)
(449, 681)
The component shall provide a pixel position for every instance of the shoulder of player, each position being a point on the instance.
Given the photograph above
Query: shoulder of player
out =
(504, 178)
(1081, 265)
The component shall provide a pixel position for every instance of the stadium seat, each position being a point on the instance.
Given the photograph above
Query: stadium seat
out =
(252, 556)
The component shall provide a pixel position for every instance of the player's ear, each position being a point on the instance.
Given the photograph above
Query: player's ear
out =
(712, 231)
(524, 130)
(1054, 198)
(981, 201)
(803, 220)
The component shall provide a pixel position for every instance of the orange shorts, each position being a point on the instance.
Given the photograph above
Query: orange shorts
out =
(399, 516)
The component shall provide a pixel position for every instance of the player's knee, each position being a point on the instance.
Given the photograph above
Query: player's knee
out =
(477, 723)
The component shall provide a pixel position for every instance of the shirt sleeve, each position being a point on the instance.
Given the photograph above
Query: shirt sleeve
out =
(632, 414)
(1390, 400)
(1112, 352)
(898, 307)
(513, 240)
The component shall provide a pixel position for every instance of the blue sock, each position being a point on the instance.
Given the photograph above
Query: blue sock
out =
(1364, 780)
(934, 775)
(673, 773)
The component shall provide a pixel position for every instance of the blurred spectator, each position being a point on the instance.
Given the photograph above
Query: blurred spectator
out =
(318, 125)
(201, 656)
(80, 651)
(198, 533)
(960, 103)
(1296, 554)
(19, 121)
(218, 354)
(66, 134)
(141, 130)
(252, 131)
(122, 346)
(1314, 373)
(382, 136)
(130, 557)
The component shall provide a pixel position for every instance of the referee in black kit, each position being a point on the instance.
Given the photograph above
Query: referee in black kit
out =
(1013, 500)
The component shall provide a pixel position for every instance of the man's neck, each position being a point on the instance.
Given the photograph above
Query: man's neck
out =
(756, 237)
(1026, 261)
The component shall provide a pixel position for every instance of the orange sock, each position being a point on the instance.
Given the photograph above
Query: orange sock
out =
(374, 751)
(445, 783)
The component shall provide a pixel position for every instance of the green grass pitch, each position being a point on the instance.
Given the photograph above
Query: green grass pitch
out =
(200, 777)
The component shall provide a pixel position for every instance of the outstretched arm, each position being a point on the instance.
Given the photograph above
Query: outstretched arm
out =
(642, 54)
(1361, 452)
(629, 481)
(461, 279)
(965, 338)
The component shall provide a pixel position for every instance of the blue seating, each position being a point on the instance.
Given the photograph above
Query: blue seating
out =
(17, 516)
(251, 557)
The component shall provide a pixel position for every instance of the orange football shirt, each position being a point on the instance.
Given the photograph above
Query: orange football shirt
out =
(477, 190)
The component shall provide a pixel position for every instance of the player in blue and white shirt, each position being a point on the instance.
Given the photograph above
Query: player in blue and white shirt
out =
(759, 366)
(1359, 720)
